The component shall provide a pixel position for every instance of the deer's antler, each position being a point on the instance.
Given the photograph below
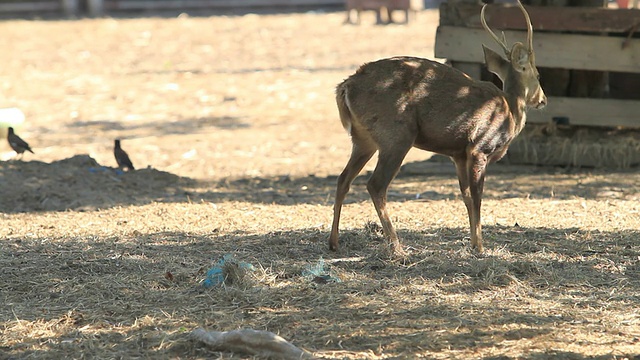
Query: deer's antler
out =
(503, 42)
(529, 27)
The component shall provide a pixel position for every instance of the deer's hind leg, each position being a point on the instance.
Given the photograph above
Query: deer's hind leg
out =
(362, 150)
(389, 162)
(463, 181)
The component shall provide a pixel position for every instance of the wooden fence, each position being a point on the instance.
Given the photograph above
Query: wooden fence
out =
(581, 38)
(68, 7)
(102, 7)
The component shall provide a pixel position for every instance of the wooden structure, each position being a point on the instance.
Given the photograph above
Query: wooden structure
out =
(103, 7)
(67, 7)
(580, 39)
(380, 6)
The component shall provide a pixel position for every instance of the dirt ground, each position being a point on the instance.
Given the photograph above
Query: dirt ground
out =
(232, 125)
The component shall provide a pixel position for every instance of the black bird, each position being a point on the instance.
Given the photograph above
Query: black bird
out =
(121, 157)
(17, 144)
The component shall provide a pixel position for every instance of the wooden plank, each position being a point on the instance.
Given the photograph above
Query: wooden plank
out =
(472, 69)
(591, 112)
(70, 7)
(95, 7)
(569, 51)
(211, 4)
(30, 6)
(543, 18)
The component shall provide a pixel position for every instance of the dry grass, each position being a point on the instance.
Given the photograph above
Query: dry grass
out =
(236, 117)
(577, 146)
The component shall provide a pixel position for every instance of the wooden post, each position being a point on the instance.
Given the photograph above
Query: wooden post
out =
(70, 7)
(473, 69)
(95, 7)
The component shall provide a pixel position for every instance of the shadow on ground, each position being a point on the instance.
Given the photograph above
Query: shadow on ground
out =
(141, 295)
(182, 126)
(80, 183)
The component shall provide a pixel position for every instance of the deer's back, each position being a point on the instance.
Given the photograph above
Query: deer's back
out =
(430, 100)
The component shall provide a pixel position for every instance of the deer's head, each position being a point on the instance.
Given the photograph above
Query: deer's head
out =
(518, 72)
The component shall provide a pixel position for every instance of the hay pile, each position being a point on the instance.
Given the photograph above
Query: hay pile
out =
(80, 183)
(551, 144)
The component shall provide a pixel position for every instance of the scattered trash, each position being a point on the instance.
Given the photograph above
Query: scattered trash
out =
(262, 343)
(318, 274)
(225, 267)
(101, 169)
(214, 277)
(98, 169)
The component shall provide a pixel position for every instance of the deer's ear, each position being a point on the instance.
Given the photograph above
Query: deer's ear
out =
(520, 58)
(495, 63)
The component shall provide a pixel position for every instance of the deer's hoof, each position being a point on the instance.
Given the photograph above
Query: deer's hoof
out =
(477, 249)
(333, 245)
(397, 252)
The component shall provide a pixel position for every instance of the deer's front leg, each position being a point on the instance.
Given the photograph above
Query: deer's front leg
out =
(464, 175)
(476, 167)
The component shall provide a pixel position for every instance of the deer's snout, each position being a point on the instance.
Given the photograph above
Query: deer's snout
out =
(542, 103)
(539, 99)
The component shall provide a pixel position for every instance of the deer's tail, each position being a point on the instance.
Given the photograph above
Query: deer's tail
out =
(343, 107)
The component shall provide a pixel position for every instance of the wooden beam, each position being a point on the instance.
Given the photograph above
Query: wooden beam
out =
(95, 7)
(212, 4)
(30, 6)
(543, 18)
(590, 112)
(568, 51)
(70, 7)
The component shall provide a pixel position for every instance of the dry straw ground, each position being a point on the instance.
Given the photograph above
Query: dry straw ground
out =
(233, 123)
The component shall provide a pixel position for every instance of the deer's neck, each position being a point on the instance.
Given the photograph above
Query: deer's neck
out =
(518, 107)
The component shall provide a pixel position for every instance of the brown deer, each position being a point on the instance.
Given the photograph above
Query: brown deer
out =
(392, 105)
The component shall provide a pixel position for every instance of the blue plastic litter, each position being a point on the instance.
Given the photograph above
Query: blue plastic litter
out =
(215, 275)
(319, 274)
(98, 169)
(315, 269)
(101, 169)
